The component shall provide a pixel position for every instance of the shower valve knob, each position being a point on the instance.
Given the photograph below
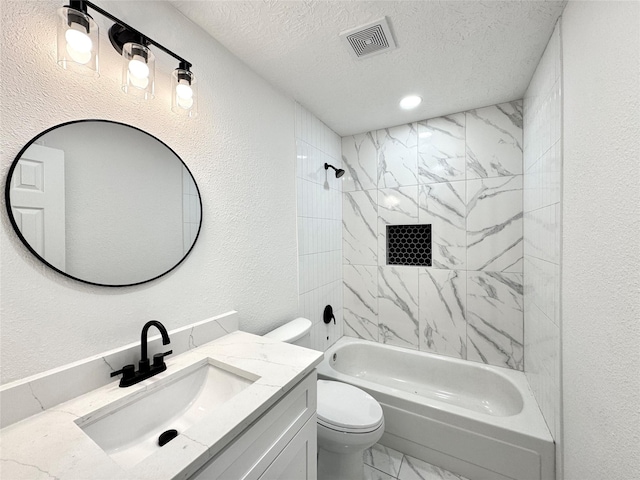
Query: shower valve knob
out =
(328, 315)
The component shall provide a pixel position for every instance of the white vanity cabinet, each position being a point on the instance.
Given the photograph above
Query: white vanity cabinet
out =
(281, 444)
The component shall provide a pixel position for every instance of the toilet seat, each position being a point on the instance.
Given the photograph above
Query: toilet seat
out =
(345, 408)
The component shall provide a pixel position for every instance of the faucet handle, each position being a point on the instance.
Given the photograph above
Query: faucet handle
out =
(158, 358)
(128, 372)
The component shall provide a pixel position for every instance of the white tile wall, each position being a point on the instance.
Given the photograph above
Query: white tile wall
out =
(319, 226)
(542, 230)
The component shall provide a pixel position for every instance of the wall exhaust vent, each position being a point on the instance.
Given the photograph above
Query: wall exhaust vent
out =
(370, 39)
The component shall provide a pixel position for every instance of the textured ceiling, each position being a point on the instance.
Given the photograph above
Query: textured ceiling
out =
(457, 55)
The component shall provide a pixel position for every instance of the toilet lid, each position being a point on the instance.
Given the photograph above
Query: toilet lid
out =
(346, 408)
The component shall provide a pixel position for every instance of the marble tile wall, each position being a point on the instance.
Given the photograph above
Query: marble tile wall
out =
(462, 174)
(542, 230)
(319, 213)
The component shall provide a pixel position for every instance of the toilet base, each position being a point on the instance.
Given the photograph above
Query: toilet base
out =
(339, 466)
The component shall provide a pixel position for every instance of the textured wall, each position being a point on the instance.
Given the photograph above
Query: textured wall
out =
(319, 226)
(240, 149)
(462, 174)
(542, 231)
(601, 240)
(456, 54)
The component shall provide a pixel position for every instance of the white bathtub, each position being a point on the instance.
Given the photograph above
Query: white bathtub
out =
(476, 420)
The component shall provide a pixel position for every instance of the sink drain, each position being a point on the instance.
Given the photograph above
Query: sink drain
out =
(167, 436)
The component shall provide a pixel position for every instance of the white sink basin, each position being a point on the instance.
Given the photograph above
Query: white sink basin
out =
(129, 431)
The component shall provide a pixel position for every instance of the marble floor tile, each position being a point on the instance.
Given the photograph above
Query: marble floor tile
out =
(371, 473)
(441, 149)
(494, 224)
(495, 318)
(397, 156)
(396, 206)
(414, 469)
(442, 305)
(494, 140)
(398, 306)
(359, 227)
(443, 205)
(361, 301)
(384, 459)
(360, 162)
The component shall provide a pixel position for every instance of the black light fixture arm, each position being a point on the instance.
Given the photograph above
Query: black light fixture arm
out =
(81, 5)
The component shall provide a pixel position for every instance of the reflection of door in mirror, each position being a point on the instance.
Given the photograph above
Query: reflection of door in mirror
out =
(37, 199)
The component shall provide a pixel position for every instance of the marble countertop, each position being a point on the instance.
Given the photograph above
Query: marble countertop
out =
(51, 445)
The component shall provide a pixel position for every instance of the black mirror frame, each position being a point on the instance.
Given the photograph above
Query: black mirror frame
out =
(7, 197)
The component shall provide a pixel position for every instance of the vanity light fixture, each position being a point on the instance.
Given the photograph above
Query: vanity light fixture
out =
(410, 101)
(184, 97)
(78, 42)
(138, 62)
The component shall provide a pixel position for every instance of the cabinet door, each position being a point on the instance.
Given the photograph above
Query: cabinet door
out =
(255, 449)
(298, 460)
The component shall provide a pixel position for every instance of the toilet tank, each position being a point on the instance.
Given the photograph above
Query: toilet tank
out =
(296, 331)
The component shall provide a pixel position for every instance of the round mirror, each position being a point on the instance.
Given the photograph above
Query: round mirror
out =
(104, 203)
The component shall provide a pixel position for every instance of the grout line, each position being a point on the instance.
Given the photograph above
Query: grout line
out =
(401, 463)
(540, 208)
(381, 471)
(529, 255)
(466, 244)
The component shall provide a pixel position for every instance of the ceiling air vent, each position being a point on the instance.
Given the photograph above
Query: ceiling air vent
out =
(369, 39)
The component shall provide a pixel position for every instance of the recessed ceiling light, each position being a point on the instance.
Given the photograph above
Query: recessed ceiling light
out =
(410, 101)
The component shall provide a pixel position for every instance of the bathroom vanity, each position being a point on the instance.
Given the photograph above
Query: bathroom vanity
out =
(281, 444)
(243, 407)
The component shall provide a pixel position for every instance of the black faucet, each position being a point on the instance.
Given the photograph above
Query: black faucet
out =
(129, 375)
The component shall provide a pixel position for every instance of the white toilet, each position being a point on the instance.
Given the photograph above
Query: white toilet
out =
(349, 419)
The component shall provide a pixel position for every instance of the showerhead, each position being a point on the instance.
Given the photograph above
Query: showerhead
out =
(339, 171)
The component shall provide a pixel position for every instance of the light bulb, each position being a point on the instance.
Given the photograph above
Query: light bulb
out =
(78, 41)
(185, 103)
(184, 100)
(138, 82)
(410, 101)
(138, 68)
(78, 46)
(184, 91)
(77, 56)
